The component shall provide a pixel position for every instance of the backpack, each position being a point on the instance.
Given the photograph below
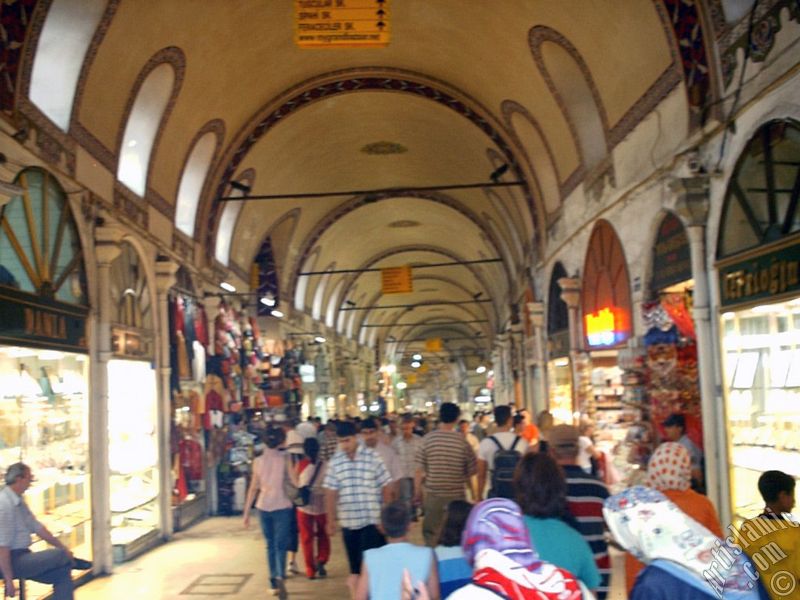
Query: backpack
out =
(505, 461)
(301, 495)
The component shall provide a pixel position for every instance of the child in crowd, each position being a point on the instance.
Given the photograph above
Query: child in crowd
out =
(382, 568)
(454, 570)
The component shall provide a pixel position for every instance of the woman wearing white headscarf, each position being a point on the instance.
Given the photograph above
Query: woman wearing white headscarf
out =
(670, 471)
(685, 561)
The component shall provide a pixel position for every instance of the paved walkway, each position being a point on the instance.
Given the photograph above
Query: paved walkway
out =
(217, 558)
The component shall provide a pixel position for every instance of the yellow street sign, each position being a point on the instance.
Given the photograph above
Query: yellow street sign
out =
(341, 23)
(396, 280)
(433, 345)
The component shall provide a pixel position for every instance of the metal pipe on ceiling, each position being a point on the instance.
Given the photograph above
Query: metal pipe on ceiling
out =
(415, 267)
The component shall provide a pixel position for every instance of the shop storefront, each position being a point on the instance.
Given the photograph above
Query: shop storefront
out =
(44, 362)
(133, 456)
(606, 310)
(670, 375)
(758, 262)
(559, 365)
(190, 431)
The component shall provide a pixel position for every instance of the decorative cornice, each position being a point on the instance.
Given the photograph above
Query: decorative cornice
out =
(130, 205)
(160, 204)
(93, 146)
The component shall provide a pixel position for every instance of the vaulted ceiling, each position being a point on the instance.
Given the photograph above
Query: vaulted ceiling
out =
(546, 87)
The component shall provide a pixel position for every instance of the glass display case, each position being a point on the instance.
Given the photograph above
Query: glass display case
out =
(132, 456)
(761, 360)
(44, 406)
(559, 373)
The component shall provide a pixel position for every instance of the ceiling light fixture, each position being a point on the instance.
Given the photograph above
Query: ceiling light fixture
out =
(480, 369)
(277, 313)
(319, 339)
(416, 364)
(227, 287)
(417, 357)
(268, 300)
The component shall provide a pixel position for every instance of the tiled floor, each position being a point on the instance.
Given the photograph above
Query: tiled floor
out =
(217, 558)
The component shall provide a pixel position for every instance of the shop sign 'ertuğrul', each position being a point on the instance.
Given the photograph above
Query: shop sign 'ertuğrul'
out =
(341, 23)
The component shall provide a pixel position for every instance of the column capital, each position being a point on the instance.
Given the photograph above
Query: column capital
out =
(535, 314)
(693, 198)
(570, 290)
(165, 274)
(107, 240)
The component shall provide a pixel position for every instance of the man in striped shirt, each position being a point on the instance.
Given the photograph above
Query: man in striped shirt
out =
(356, 483)
(585, 496)
(446, 463)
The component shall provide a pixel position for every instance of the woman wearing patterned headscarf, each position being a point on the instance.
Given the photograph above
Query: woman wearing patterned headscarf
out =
(685, 561)
(670, 471)
(504, 563)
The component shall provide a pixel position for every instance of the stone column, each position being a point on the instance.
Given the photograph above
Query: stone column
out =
(571, 295)
(165, 279)
(503, 386)
(692, 206)
(536, 317)
(107, 239)
(516, 364)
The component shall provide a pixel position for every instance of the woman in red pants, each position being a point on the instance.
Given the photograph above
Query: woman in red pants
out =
(311, 518)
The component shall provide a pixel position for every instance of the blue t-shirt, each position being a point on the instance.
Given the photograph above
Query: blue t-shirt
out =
(385, 567)
(558, 543)
(454, 570)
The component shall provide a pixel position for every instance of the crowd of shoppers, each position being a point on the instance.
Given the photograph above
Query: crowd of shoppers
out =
(510, 509)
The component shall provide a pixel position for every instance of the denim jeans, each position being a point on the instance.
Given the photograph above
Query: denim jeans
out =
(275, 526)
(48, 566)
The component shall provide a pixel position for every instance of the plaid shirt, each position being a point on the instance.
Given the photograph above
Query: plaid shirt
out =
(359, 482)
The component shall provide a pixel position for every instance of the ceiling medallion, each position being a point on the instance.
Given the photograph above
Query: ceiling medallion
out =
(384, 148)
(404, 223)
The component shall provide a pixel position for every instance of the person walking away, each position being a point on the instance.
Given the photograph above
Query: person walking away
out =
(776, 528)
(445, 463)
(406, 445)
(356, 483)
(545, 422)
(371, 437)
(498, 455)
(17, 523)
(670, 472)
(453, 569)
(585, 497)
(382, 569)
(685, 561)
(311, 518)
(463, 426)
(274, 507)
(505, 561)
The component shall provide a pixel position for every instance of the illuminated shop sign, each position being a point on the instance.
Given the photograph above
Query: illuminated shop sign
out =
(606, 327)
(768, 276)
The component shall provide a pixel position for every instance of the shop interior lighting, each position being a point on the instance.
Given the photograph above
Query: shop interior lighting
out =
(227, 287)
(277, 313)
(561, 362)
(480, 369)
(417, 357)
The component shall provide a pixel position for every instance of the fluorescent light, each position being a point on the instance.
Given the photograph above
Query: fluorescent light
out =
(417, 357)
(227, 287)
(276, 313)
(319, 339)
(268, 301)
(480, 369)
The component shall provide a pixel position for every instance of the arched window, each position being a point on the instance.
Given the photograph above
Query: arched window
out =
(60, 52)
(319, 295)
(333, 304)
(192, 180)
(761, 204)
(227, 223)
(142, 127)
(40, 251)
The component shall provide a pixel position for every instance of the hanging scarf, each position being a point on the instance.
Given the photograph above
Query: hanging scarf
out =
(651, 527)
(670, 468)
(497, 544)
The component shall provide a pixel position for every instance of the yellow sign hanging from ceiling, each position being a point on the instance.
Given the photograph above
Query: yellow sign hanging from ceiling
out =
(341, 23)
(396, 280)
(411, 379)
(433, 345)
